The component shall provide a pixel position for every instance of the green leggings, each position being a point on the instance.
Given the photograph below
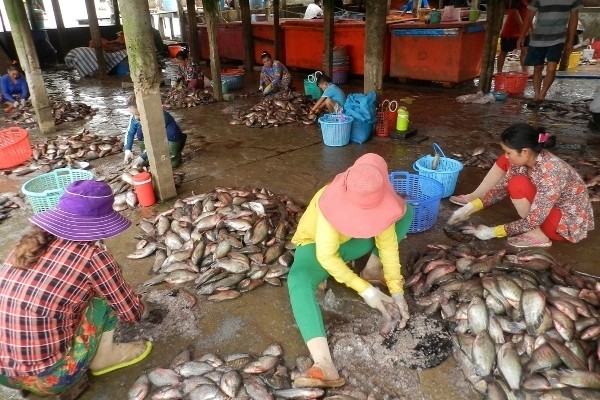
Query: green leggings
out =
(306, 274)
(99, 317)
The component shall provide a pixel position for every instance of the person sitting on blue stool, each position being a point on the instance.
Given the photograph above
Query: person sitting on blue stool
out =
(175, 137)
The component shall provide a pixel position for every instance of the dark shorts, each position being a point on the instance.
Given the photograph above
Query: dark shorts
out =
(537, 55)
(510, 44)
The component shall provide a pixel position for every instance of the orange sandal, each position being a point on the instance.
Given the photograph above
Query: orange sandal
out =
(314, 378)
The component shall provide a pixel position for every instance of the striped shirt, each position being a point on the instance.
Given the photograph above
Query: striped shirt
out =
(41, 307)
(552, 20)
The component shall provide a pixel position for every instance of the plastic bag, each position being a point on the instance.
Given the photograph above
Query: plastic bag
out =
(488, 98)
(469, 98)
(361, 106)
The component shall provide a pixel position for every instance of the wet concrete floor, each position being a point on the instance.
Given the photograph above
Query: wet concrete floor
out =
(292, 159)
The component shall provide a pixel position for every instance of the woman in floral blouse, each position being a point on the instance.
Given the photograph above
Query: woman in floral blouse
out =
(549, 195)
(188, 72)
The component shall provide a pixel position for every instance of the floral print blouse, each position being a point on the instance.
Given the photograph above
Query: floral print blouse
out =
(557, 185)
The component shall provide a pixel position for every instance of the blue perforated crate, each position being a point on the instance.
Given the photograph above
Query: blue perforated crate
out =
(336, 129)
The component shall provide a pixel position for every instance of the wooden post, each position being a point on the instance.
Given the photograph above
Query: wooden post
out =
(193, 42)
(375, 30)
(210, 16)
(21, 35)
(495, 16)
(143, 67)
(247, 34)
(277, 33)
(181, 15)
(60, 29)
(328, 10)
(96, 36)
(116, 13)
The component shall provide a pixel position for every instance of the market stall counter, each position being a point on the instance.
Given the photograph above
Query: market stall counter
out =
(448, 52)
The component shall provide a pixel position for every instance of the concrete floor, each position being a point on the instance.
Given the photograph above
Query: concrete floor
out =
(293, 160)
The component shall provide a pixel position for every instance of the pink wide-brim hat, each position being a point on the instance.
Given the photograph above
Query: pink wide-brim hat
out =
(361, 202)
(83, 213)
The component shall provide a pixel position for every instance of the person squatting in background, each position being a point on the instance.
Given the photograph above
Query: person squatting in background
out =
(332, 99)
(548, 194)
(175, 137)
(274, 76)
(14, 87)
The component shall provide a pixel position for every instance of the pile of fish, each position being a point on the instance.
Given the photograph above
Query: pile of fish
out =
(480, 157)
(8, 203)
(278, 109)
(589, 169)
(120, 179)
(524, 324)
(561, 111)
(63, 111)
(70, 151)
(210, 376)
(184, 98)
(225, 242)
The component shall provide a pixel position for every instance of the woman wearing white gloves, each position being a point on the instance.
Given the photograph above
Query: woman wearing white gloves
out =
(357, 214)
(548, 194)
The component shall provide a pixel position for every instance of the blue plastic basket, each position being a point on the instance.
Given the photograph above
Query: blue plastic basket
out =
(234, 78)
(336, 129)
(44, 191)
(446, 173)
(312, 90)
(361, 131)
(423, 193)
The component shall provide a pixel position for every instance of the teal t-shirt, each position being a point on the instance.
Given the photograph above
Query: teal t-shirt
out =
(335, 93)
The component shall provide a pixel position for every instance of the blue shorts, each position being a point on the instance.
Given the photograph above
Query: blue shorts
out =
(537, 55)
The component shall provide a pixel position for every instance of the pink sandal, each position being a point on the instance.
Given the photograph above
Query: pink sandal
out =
(525, 240)
(459, 200)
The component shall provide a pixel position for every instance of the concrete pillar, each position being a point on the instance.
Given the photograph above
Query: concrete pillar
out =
(96, 36)
(210, 15)
(143, 67)
(247, 34)
(21, 35)
(277, 33)
(495, 16)
(193, 42)
(60, 30)
(328, 10)
(181, 15)
(375, 28)
(116, 13)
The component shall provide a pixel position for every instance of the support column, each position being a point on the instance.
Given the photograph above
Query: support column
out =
(181, 15)
(143, 67)
(247, 34)
(21, 35)
(495, 15)
(96, 36)
(277, 33)
(210, 16)
(375, 30)
(116, 13)
(60, 30)
(328, 9)
(193, 42)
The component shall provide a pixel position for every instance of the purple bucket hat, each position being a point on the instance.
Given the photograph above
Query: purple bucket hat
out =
(84, 213)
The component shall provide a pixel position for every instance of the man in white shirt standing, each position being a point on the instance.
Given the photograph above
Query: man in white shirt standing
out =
(314, 11)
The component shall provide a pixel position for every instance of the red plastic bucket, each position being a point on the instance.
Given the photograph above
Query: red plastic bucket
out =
(174, 49)
(144, 190)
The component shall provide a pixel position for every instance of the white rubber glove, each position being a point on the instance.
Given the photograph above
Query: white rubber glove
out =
(401, 303)
(260, 88)
(137, 162)
(15, 104)
(481, 232)
(128, 157)
(375, 298)
(23, 101)
(462, 214)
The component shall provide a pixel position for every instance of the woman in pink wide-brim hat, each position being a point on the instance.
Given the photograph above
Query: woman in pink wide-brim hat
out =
(356, 214)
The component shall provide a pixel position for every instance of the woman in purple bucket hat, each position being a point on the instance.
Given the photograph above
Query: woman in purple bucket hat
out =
(61, 293)
(359, 213)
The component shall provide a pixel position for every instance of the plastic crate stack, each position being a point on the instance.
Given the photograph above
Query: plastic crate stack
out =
(341, 65)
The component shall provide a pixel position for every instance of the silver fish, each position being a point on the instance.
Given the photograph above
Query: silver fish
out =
(143, 252)
(167, 393)
(510, 366)
(163, 377)
(484, 353)
(300, 393)
(139, 389)
(231, 382)
(193, 368)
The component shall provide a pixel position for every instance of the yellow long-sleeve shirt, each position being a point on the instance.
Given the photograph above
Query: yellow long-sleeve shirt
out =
(314, 228)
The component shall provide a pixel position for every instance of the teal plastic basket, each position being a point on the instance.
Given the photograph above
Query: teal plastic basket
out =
(446, 172)
(312, 90)
(44, 191)
(336, 129)
(423, 193)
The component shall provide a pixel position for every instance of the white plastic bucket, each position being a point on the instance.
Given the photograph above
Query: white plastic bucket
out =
(588, 54)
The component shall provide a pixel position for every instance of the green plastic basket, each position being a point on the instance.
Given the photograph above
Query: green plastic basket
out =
(312, 90)
(44, 191)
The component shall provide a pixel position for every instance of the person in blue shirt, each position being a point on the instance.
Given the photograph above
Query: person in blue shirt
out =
(410, 5)
(274, 76)
(175, 137)
(332, 99)
(14, 87)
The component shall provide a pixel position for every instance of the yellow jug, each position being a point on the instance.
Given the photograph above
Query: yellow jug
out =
(402, 121)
